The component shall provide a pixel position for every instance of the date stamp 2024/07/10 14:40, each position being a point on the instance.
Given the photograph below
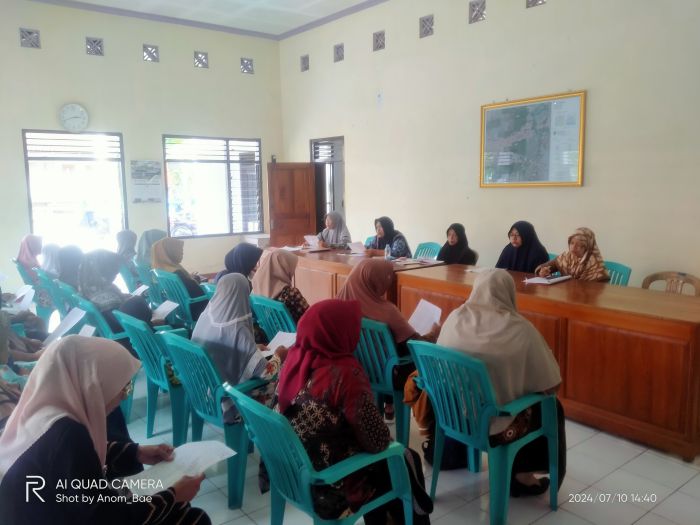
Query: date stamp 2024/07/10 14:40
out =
(613, 497)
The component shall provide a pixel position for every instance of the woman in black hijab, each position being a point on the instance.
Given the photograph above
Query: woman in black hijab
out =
(242, 259)
(525, 251)
(387, 235)
(456, 250)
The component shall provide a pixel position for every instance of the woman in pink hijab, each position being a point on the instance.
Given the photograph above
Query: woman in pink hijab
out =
(29, 249)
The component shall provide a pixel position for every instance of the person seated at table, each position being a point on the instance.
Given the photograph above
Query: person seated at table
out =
(243, 259)
(167, 255)
(582, 261)
(368, 283)
(96, 284)
(488, 327)
(145, 246)
(335, 233)
(274, 280)
(126, 249)
(58, 432)
(456, 250)
(225, 330)
(69, 260)
(387, 235)
(525, 252)
(49, 260)
(325, 394)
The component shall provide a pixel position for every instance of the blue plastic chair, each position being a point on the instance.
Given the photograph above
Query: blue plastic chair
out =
(464, 403)
(154, 358)
(292, 474)
(68, 296)
(619, 273)
(128, 277)
(377, 354)
(48, 283)
(204, 389)
(369, 240)
(41, 311)
(272, 316)
(175, 291)
(427, 250)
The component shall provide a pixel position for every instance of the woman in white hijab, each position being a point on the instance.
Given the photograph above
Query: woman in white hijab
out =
(58, 434)
(489, 327)
(335, 232)
(225, 330)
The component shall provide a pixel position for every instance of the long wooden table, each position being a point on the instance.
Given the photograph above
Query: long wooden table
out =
(629, 357)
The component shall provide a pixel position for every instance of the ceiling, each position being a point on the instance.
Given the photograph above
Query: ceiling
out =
(268, 18)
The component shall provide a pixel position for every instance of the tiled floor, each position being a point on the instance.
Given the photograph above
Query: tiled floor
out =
(609, 481)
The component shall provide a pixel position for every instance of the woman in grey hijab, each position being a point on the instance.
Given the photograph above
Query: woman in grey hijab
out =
(335, 231)
(143, 251)
(225, 330)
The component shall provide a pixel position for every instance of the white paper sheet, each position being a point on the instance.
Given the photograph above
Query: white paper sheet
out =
(24, 301)
(311, 240)
(140, 290)
(87, 330)
(190, 459)
(357, 247)
(164, 310)
(546, 280)
(425, 316)
(291, 248)
(285, 339)
(23, 290)
(69, 321)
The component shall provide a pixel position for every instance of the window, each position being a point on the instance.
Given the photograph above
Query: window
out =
(76, 187)
(214, 186)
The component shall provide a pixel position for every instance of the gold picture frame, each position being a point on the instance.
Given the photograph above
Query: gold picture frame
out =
(533, 142)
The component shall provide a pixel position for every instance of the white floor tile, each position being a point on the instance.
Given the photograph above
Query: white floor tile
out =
(654, 519)
(253, 500)
(243, 520)
(601, 511)
(216, 506)
(561, 517)
(469, 514)
(468, 485)
(692, 488)
(570, 487)
(521, 511)
(587, 469)
(625, 486)
(577, 433)
(611, 450)
(680, 508)
(661, 469)
(292, 516)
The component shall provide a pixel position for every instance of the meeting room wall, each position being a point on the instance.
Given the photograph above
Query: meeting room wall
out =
(410, 116)
(125, 94)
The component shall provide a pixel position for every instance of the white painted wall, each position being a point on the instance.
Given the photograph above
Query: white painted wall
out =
(125, 94)
(410, 116)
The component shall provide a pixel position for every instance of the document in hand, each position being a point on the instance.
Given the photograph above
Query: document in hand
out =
(23, 298)
(357, 247)
(425, 316)
(69, 321)
(140, 290)
(189, 459)
(285, 339)
(164, 310)
(311, 240)
(546, 280)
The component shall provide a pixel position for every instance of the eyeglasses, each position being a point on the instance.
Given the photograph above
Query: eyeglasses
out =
(514, 235)
(127, 390)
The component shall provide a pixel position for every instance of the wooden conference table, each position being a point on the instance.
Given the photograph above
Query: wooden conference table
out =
(629, 357)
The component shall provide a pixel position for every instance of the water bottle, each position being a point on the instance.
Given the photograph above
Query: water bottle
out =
(387, 252)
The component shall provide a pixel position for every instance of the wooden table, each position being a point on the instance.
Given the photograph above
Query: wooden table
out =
(320, 275)
(629, 357)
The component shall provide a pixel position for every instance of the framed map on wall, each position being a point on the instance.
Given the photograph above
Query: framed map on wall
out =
(533, 142)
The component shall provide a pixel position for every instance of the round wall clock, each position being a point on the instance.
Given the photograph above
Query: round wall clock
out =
(73, 117)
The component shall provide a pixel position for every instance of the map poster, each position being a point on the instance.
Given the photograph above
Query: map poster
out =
(533, 142)
(146, 181)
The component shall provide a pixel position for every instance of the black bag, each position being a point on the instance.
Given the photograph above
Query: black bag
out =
(454, 453)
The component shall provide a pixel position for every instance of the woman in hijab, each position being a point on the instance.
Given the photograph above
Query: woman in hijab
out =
(29, 250)
(225, 330)
(146, 242)
(58, 433)
(335, 232)
(583, 260)
(325, 394)
(489, 327)
(167, 255)
(387, 235)
(69, 260)
(242, 259)
(49, 260)
(456, 250)
(525, 252)
(274, 280)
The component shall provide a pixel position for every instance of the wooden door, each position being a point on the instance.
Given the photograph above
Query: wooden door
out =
(291, 190)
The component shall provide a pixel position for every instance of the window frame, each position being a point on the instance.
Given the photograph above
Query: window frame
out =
(228, 162)
(124, 200)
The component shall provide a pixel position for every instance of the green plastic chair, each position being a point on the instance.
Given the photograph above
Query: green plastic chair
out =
(49, 284)
(204, 389)
(460, 391)
(552, 256)
(619, 273)
(41, 311)
(427, 250)
(154, 358)
(128, 277)
(271, 315)
(68, 295)
(154, 295)
(209, 289)
(377, 354)
(175, 291)
(292, 474)
(369, 240)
